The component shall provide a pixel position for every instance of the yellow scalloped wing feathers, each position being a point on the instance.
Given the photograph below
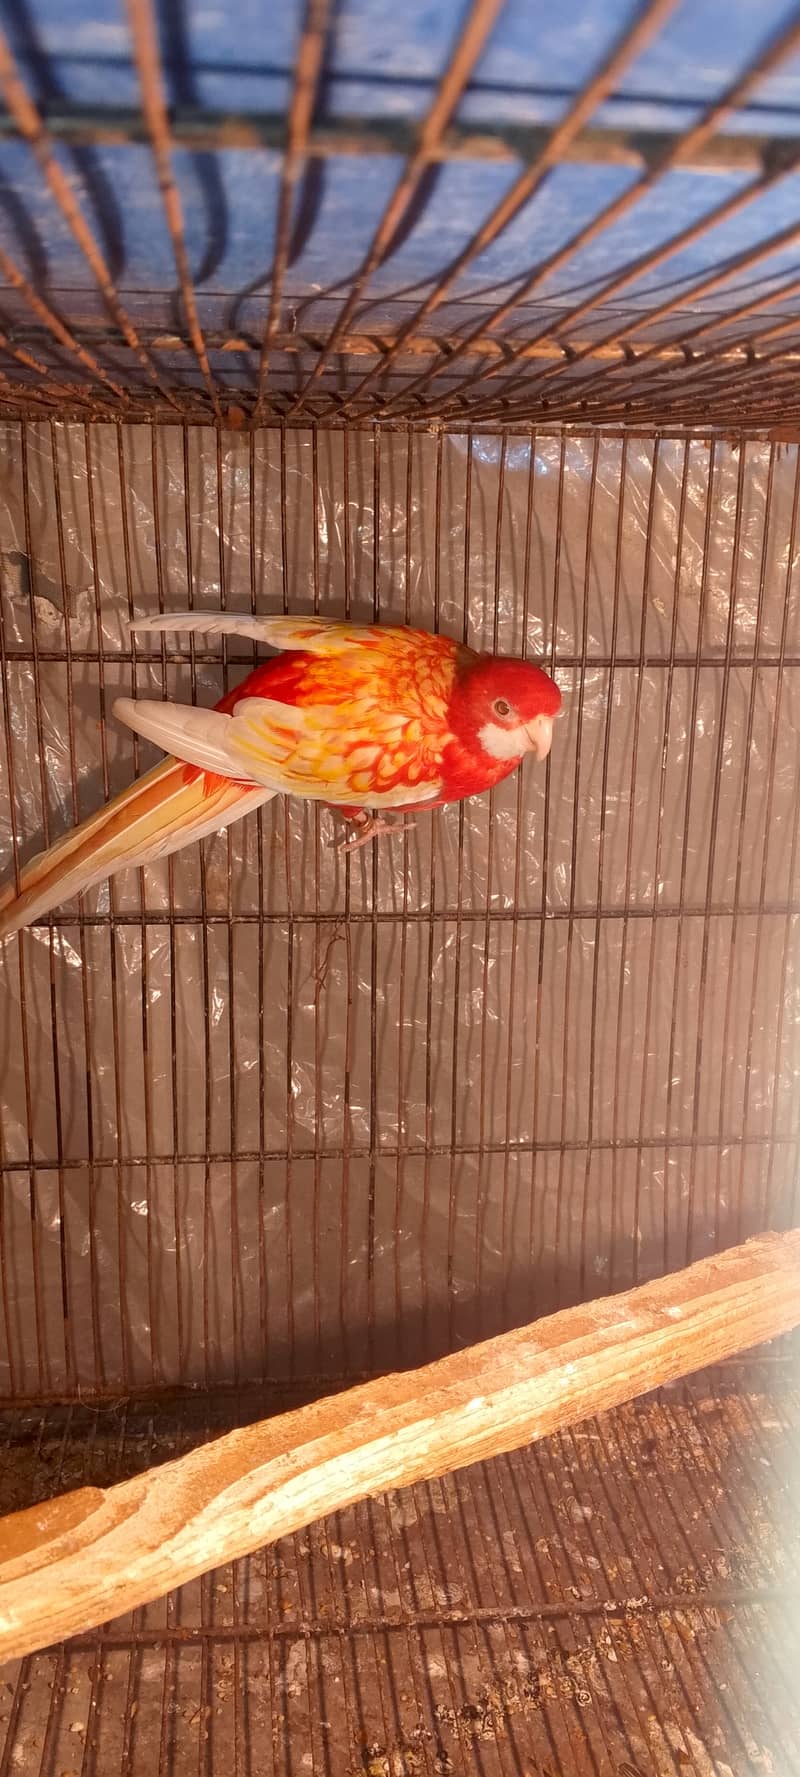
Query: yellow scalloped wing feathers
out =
(366, 725)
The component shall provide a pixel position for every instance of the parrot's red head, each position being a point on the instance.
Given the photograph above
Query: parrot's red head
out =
(507, 707)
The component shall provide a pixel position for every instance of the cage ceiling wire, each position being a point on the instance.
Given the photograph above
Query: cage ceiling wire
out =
(619, 353)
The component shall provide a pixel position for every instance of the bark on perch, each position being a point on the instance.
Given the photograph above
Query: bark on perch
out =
(81, 1559)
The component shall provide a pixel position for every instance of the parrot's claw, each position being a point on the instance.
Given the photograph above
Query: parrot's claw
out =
(370, 826)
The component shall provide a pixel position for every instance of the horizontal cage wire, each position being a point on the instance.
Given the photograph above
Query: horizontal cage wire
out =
(276, 1112)
(605, 234)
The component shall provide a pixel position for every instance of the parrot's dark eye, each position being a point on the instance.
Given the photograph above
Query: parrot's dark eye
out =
(501, 708)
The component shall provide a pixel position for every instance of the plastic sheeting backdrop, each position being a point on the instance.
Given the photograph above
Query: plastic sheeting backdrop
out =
(270, 1110)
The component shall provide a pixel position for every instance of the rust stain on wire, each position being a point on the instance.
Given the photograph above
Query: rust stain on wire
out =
(201, 129)
(744, 262)
(31, 127)
(481, 18)
(676, 154)
(612, 394)
(306, 80)
(57, 327)
(144, 32)
(703, 286)
(634, 39)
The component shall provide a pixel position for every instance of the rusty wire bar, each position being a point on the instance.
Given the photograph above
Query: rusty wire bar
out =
(769, 373)
(674, 154)
(615, 354)
(358, 345)
(780, 692)
(704, 286)
(308, 66)
(769, 399)
(710, 372)
(47, 394)
(483, 1178)
(734, 359)
(552, 390)
(43, 401)
(60, 332)
(702, 1036)
(601, 855)
(731, 1136)
(612, 399)
(756, 307)
(480, 20)
(664, 396)
(89, 1079)
(703, 600)
(735, 933)
(203, 129)
(31, 127)
(144, 32)
(568, 1035)
(633, 40)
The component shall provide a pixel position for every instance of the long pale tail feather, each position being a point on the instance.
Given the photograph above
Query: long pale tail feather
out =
(160, 813)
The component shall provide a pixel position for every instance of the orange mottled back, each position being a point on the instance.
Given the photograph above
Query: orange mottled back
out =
(391, 694)
(375, 715)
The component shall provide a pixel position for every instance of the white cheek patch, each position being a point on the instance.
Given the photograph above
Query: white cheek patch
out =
(504, 743)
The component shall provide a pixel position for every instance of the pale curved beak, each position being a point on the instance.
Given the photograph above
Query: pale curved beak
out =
(540, 734)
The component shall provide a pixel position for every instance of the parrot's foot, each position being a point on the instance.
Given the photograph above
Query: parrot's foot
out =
(369, 826)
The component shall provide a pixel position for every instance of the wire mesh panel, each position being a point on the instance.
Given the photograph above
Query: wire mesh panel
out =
(481, 210)
(273, 1110)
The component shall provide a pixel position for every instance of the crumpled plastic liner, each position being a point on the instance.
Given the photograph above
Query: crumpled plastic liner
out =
(291, 1113)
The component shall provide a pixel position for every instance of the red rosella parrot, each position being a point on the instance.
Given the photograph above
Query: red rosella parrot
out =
(365, 719)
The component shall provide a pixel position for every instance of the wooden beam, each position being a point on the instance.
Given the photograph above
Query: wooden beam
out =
(200, 129)
(74, 1562)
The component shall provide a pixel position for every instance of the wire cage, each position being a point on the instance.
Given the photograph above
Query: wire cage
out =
(480, 320)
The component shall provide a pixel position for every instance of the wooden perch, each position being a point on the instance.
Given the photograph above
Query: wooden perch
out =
(79, 1560)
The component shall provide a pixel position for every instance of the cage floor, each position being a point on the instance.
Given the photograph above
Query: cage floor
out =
(621, 1599)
